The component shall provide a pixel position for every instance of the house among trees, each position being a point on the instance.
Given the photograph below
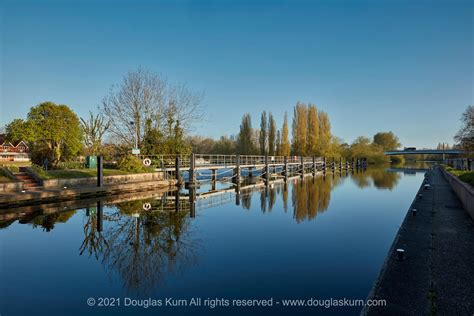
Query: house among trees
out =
(19, 151)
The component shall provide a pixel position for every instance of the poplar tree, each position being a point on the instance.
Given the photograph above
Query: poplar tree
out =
(244, 142)
(300, 129)
(324, 133)
(285, 141)
(263, 134)
(313, 130)
(278, 144)
(271, 135)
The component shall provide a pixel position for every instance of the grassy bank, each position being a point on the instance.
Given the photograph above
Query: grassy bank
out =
(465, 176)
(76, 173)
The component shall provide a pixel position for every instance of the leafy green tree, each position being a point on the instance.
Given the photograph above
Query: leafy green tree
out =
(313, 130)
(285, 140)
(278, 144)
(53, 130)
(245, 145)
(387, 140)
(262, 140)
(324, 133)
(225, 146)
(465, 136)
(300, 129)
(271, 135)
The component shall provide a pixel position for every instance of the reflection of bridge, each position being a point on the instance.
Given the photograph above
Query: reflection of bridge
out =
(424, 152)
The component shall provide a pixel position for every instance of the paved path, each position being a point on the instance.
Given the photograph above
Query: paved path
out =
(437, 275)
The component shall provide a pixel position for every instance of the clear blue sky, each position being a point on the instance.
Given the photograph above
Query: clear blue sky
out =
(405, 66)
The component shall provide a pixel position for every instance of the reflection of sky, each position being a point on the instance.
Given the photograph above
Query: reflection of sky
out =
(240, 252)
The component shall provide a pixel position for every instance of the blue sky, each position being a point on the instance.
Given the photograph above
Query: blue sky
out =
(405, 66)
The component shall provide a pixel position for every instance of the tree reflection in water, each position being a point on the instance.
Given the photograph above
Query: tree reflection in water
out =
(311, 196)
(142, 246)
(379, 177)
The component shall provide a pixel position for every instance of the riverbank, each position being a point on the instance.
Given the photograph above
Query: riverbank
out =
(436, 276)
(46, 195)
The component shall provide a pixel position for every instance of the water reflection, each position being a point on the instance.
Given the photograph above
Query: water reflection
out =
(142, 238)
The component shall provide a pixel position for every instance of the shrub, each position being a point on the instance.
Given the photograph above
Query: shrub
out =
(131, 163)
(63, 165)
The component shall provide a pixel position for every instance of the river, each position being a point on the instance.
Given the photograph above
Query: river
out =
(317, 238)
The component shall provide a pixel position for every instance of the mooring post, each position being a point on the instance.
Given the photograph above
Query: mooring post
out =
(192, 176)
(100, 171)
(285, 167)
(267, 170)
(177, 164)
(333, 164)
(340, 163)
(324, 165)
(302, 166)
(99, 216)
(314, 166)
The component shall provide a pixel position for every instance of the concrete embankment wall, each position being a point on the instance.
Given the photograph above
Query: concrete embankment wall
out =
(10, 186)
(463, 191)
(117, 179)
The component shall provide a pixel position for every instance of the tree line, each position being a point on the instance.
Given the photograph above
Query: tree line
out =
(147, 111)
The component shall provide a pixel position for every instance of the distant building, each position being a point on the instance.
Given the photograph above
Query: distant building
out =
(18, 151)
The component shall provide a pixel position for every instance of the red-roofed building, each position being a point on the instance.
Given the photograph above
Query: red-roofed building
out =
(18, 151)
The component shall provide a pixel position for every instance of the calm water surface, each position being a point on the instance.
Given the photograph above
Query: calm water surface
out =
(312, 238)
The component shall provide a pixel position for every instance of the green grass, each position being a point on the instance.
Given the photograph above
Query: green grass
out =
(465, 176)
(78, 173)
(4, 177)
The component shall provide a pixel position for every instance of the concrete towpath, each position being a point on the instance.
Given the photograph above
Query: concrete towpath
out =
(437, 275)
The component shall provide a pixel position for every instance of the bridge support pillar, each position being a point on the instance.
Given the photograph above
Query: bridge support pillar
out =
(324, 165)
(236, 173)
(267, 170)
(213, 179)
(177, 171)
(302, 166)
(192, 202)
(285, 167)
(192, 174)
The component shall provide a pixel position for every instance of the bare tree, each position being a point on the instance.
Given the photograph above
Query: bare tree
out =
(465, 136)
(94, 129)
(143, 100)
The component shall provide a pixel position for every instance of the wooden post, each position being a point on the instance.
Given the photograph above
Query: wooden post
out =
(324, 165)
(340, 163)
(314, 166)
(192, 202)
(213, 179)
(192, 176)
(302, 166)
(100, 171)
(176, 201)
(333, 164)
(267, 170)
(285, 167)
(177, 170)
(237, 193)
(236, 178)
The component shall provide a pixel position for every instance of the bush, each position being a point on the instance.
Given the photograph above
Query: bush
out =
(63, 165)
(131, 164)
(40, 172)
(468, 177)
